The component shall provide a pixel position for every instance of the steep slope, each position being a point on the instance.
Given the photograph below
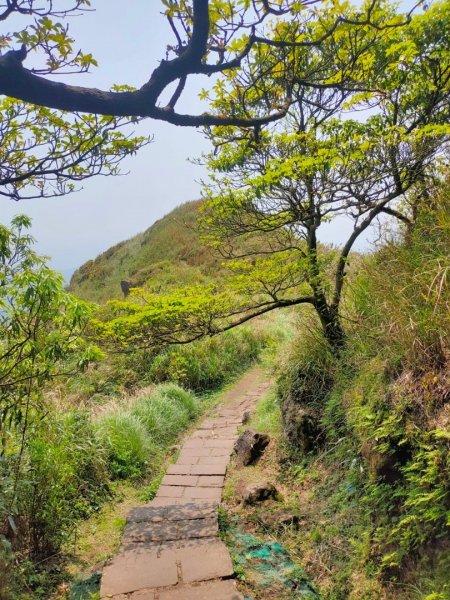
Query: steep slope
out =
(167, 253)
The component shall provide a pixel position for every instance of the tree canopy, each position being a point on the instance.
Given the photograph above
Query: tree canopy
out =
(47, 153)
(244, 43)
(255, 50)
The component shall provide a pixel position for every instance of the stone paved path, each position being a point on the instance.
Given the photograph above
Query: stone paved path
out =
(170, 549)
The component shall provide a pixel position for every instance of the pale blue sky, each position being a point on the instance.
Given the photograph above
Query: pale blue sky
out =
(127, 39)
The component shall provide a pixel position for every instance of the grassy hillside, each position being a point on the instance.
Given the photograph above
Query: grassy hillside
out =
(169, 252)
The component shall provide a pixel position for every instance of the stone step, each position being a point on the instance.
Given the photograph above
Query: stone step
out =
(194, 480)
(212, 590)
(142, 567)
(172, 512)
(166, 531)
(161, 501)
(216, 466)
(189, 492)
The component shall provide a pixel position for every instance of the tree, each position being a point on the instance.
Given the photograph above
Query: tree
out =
(269, 197)
(211, 38)
(41, 337)
(319, 166)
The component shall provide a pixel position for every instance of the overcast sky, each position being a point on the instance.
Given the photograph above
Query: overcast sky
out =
(128, 40)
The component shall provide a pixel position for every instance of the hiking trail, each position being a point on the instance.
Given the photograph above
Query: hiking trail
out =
(170, 548)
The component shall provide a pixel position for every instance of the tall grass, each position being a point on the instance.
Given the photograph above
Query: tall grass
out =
(401, 298)
(136, 436)
(64, 478)
(128, 446)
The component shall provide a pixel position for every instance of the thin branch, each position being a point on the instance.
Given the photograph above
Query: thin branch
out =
(398, 215)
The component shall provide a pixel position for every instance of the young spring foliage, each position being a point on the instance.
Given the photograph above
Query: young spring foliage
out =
(47, 153)
(271, 194)
(245, 43)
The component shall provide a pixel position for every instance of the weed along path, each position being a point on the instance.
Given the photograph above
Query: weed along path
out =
(170, 549)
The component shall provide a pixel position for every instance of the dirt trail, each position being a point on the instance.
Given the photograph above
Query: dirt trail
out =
(170, 549)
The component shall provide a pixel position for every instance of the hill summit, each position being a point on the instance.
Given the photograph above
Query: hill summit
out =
(168, 253)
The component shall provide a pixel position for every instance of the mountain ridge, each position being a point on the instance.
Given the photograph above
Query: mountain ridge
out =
(167, 253)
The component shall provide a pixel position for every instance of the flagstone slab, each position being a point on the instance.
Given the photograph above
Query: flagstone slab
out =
(221, 459)
(187, 460)
(211, 590)
(182, 480)
(210, 481)
(138, 568)
(225, 431)
(169, 491)
(140, 595)
(203, 493)
(219, 443)
(193, 452)
(193, 442)
(164, 501)
(192, 510)
(214, 424)
(172, 512)
(221, 452)
(194, 480)
(147, 513)
(164, 531)
(208, 469)
(203, 560)
(179, 469)
(143, 595)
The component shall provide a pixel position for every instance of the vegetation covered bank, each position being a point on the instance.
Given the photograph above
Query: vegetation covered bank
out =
(369, 428)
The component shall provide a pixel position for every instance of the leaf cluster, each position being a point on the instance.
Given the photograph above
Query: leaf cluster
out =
(46, 153)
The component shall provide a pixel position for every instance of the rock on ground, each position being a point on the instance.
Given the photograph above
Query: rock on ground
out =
(250, 446)
(256, 492)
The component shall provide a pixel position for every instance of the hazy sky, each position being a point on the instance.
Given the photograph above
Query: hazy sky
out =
(127, 44)
(128, 39)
